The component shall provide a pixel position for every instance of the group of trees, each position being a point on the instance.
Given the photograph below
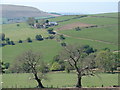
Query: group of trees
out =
(5, 40)
(50, 31)
(37, 23)
(3, 66)
(78, 29)
(83, 59)
(37, 37)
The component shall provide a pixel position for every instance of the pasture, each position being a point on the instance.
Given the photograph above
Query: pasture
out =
(107, 34)
(107, 14)
(99, 37)
(103, 36)
(48, 49)
(59, 79)
(21, 32)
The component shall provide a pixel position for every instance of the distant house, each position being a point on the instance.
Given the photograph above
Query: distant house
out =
(45, 25)
(53, 23)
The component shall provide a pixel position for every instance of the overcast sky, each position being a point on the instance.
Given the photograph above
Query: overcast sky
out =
(76, 6)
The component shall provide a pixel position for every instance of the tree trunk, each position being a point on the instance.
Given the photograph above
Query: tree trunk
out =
(79, 83)
(38, 81)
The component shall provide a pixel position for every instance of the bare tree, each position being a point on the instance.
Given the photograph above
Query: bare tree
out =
(31, 62)
(82, 62)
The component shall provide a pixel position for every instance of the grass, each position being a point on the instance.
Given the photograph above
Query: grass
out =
(48, 49)
(107, 14)
(94, 44)
(99, 20)
(22, 32)
(60, 18)
(108, 34)
(59, 80)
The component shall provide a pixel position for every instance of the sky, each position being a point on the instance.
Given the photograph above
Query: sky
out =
(71, 6)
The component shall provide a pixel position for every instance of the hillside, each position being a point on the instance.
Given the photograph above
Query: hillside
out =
(16, 11)
(103, 36)
(99, 31)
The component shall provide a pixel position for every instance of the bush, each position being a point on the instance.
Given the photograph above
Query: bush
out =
(29, 40)
(8, 42)
(39, 37)
(3, 44)
(77, 29)
(2, 36)
(12, 43)
(63, 44)
(7, 39)
(20, 41)
(51, 37)
(50, 31)
(18, 25)
(62, 37)
(55, 66)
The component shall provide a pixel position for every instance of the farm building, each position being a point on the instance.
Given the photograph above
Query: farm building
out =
(53, 23)
(45, 25)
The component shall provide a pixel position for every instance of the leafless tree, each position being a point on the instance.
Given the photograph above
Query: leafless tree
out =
(31, 62)
(82, 62)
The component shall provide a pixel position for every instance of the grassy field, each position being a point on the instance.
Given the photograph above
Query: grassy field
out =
(107, 14)
(60, 18)
(48, 49)
(108, 34)
(94, 44)
(59, 80)
(104, 36)
(22, 32)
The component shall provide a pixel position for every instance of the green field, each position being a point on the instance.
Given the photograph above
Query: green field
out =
(108, 34)
(103, 36)
(107, 14)
(60, 18)
(48, 49)
(21, 32)
(59, 80)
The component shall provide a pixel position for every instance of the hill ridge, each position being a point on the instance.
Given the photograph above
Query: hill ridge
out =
(14, 11)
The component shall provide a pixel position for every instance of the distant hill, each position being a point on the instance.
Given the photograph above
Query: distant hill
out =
(16, 11)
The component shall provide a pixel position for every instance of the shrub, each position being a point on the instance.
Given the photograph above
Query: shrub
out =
(55, 66)
(20, 41)
(50, 31)
(18, 25)
(63, 44)
(29, 40)
(12, 43)
(39, 37)
(2, 36)
(7, 39)
(62, 37)
(77, 29)
(8, 42)
(51, 37)
(3, 44)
